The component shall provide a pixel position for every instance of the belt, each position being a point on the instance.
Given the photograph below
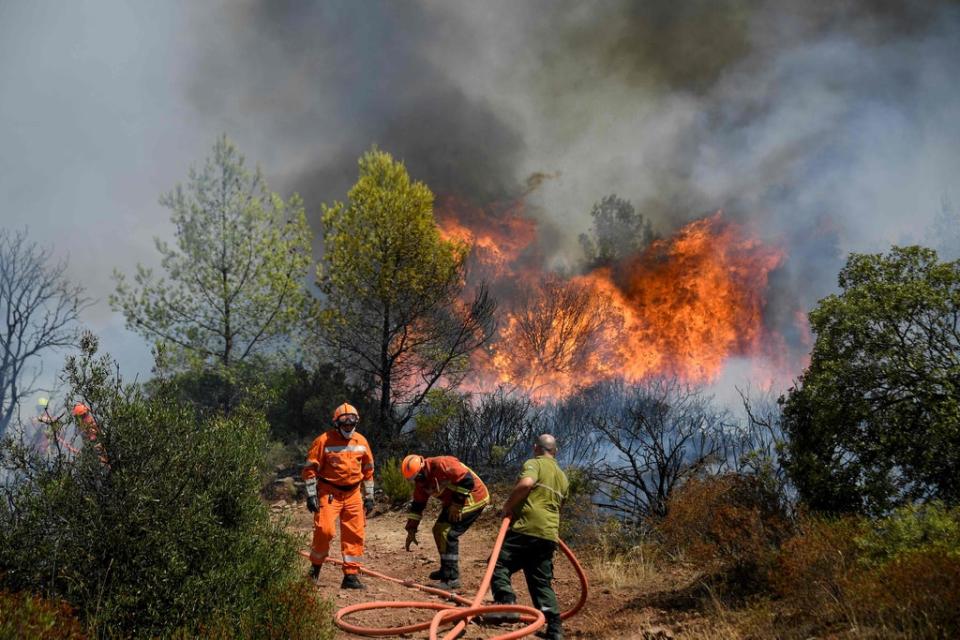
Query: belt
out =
(341, 487)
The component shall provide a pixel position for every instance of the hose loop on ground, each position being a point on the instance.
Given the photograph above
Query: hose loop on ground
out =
(449, 613)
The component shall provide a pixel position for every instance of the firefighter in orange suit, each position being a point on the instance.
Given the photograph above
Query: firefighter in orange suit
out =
(88, 426)
(88, 429)
(463, 496)
(339, 462)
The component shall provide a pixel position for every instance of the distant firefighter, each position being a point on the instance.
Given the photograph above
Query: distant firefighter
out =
(88, 426)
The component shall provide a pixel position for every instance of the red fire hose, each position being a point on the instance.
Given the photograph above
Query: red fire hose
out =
(447, 613)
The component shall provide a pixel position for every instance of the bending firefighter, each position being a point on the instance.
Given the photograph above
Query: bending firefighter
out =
(463, 496)
(338, 462)
(534, 505)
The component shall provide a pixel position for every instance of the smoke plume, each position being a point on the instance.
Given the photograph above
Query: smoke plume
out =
(820, 128)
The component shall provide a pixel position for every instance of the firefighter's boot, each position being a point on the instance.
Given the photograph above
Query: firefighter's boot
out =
(351, 581)
(502, 617)
(449, 575)
(554, 628)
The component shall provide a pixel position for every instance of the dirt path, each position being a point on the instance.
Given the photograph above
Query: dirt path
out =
(608, 613)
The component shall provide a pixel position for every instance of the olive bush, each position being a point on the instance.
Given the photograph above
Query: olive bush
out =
(155, 528)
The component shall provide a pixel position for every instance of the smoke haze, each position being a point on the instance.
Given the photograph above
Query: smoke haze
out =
(825, 127)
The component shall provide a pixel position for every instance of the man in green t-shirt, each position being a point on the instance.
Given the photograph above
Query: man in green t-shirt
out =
(531, 541)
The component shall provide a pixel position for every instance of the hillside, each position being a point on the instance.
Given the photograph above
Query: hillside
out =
(612, 611)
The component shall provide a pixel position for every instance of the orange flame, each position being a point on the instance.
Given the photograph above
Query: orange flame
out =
(498, 235)
(682, 308)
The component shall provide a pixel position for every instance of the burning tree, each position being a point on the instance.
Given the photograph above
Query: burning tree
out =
(553, 334)
(392, 310)
(678, 306)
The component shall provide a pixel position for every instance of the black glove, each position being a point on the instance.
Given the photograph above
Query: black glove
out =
(312, 505)
(367, 506)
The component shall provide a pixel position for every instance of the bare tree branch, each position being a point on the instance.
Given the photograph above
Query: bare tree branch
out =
(39, 311)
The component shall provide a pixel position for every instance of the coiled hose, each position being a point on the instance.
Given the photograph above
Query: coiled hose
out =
(447, 613)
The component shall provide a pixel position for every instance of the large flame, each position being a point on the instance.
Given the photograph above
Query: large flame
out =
(682, 308)
(498, 235)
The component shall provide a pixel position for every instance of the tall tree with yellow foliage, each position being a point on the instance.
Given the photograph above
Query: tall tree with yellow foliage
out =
(393, 309)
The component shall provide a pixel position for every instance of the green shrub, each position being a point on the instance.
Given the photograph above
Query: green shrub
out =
(397, 488)
(292, 612)
(156, 530)
(441, 408)
(580, 517)
(930, 527)
(820, 575)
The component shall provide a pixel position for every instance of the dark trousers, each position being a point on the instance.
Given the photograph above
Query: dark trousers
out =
(535, 557)
(447, 536)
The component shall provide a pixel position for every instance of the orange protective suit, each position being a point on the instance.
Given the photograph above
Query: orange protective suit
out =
(453, 483)
(339, 466)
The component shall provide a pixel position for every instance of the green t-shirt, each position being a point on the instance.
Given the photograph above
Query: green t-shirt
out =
(539, 514)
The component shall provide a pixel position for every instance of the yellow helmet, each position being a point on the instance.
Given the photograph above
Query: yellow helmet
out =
(411, 466)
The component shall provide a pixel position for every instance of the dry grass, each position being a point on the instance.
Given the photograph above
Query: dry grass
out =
(811, 583)
(25, 616)
(633, 568)
(618, 558)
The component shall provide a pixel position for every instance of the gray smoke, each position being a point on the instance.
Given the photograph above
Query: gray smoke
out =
(327, 80)
(826, 127)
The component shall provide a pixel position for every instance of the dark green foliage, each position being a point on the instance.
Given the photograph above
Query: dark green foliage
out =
(304, 400)
(297, 401)
(618, 232)
(158, 527)
(875, 419)
(213, 388)
(397, 488)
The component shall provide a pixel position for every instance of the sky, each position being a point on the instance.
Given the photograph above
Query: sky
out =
(828, 127)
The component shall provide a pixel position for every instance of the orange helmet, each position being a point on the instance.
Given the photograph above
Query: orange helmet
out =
(82, 411)
(411, 466)
(345, 410)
